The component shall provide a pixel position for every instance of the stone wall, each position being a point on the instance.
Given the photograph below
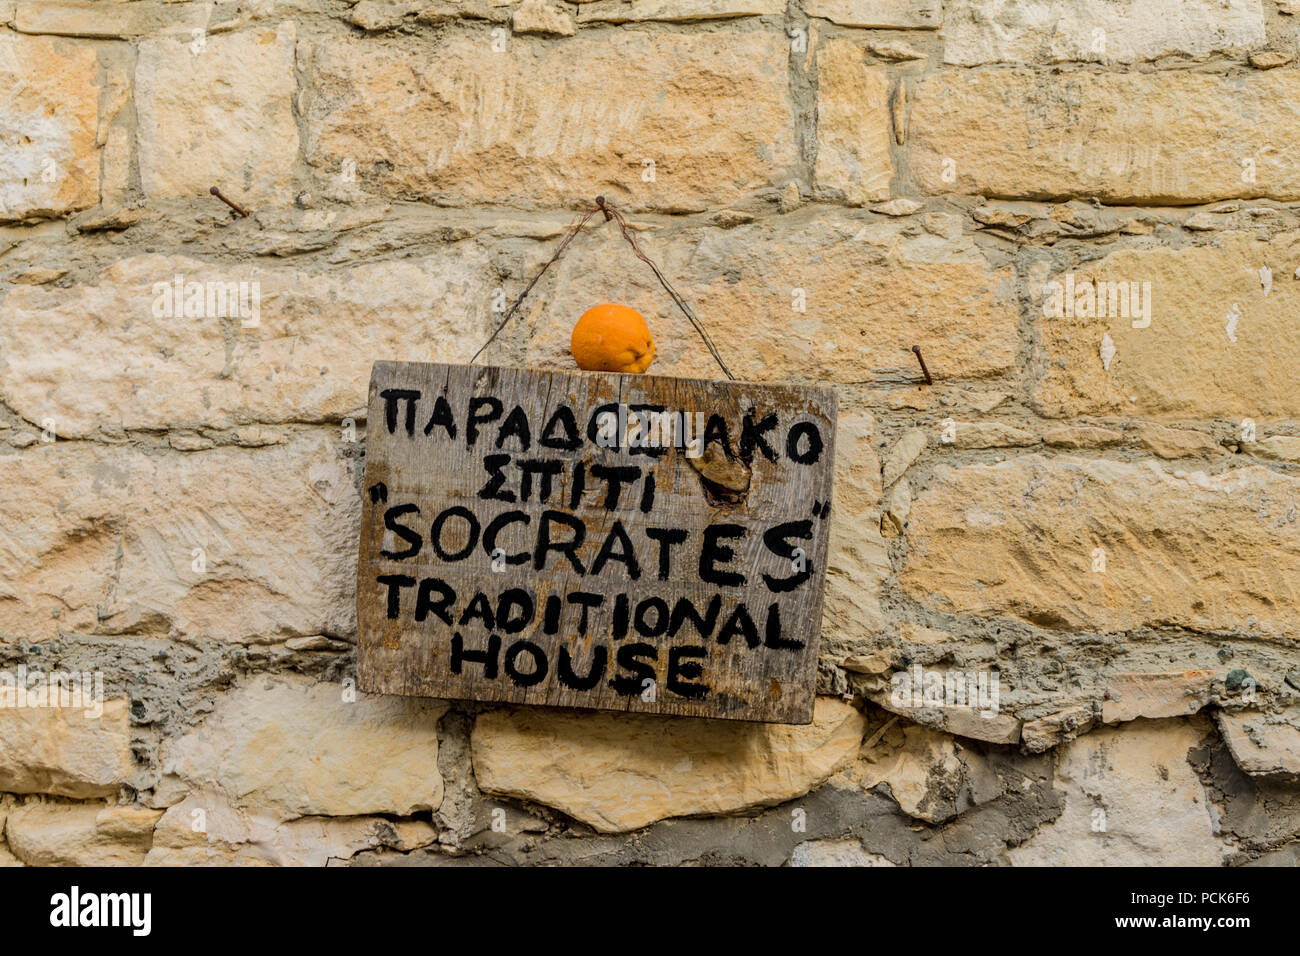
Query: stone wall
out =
(1086, 213)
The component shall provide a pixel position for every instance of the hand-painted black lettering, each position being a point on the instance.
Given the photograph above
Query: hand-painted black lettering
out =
(646, 625)
(812, 434)
(629, 658)
(625, 555)
(409, 535)
(597, 417)
(488, 658)
(647, 437)
(395, 584)
(551, 620)
(482, 409)
(514, 610)
(495, 527)
(571, 440)
(515, 426)
(472, 527)
(621, 615)
(715, 432)
(569, 548)
(441, 417)
(496, 479)
(478, 609)
(774, 539)
(587, 600)
(578, 486)
(526, 678)
(547, 469)
(667, 537)
(564, 669)
(615, 476)
(772, 631)
(681, 672)
(685, 608)
(426, 605)
(713, 553)
(739, 622)
(751, 436)
(391, 397)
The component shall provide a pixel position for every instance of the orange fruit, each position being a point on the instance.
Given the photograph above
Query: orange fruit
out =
(612, 338)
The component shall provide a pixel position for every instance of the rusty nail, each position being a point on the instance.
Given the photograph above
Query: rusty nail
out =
(924, 371)
(600, 202)
(229, 202)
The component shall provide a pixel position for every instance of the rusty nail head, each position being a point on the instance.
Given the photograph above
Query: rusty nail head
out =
(231, 203)
(924, 371)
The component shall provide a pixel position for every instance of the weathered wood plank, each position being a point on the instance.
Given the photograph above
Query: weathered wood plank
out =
(500, 511)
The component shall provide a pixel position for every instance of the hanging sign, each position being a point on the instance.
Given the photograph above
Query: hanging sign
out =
(608, 541)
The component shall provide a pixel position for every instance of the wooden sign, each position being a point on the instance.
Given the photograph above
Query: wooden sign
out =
(619, 542)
